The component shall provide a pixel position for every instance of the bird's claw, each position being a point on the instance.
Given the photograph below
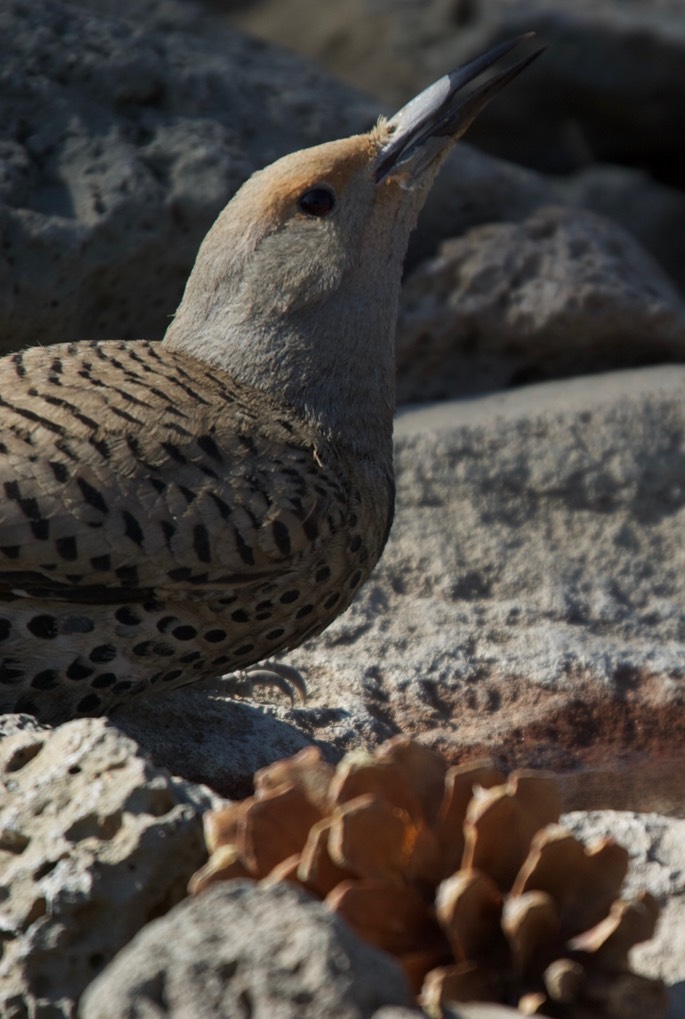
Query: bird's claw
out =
(284, 677)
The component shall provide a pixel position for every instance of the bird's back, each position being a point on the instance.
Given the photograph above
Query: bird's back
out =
(161, 522)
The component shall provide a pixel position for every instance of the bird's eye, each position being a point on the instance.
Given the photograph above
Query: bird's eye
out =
(317, 201)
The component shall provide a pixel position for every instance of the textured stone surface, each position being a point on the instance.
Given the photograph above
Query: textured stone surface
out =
(657, 864)
(610, 86)
(530, 602)
(124, 132)
(563, 293)
(238, 950)
(94, 842)
(609, 89)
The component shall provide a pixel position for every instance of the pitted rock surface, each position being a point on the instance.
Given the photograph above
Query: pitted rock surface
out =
(95, 842)
(242, 949)
(565, 292)
(124, 132)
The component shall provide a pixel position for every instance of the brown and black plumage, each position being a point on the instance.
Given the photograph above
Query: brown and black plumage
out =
(173, 511)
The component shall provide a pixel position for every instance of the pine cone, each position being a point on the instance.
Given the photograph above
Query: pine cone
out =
(464, 876)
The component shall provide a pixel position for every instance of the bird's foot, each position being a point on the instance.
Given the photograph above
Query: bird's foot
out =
(284, 677)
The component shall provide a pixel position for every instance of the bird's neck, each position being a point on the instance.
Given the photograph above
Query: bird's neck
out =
(333, 364)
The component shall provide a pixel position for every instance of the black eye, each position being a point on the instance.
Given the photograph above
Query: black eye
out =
(317, 201)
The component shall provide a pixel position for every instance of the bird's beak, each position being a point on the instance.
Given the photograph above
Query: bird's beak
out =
(440, 114)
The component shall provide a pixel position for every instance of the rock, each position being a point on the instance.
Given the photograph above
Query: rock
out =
(94, 842)
(610, 87)
(564, 292)
(530, 603)
(652, 212)
(242, 949)
(219, 742)
(656, 851)
(123, 135)
(583, 103)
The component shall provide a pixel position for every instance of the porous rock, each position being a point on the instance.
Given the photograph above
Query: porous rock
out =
(94, 842)
(241, 949)
(125, 129)
(529, 603)
(563, 293)
(657, 864)
(609, 87)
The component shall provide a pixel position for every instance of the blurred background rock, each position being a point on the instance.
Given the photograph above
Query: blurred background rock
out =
(126, 126)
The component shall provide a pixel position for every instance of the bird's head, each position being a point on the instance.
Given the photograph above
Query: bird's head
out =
(295, 287)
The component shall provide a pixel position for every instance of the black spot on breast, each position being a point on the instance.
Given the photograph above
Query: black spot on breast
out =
(128, 575)
(133, 530)
(40, 529)
(355, 578)
(174, 452)
(5, 629)
(355, 543)
(127, 616)
(192, 657)
(281, 537)
(66, 548)
(244, 550)
(184, 632)
(60, 471)
(244, 649)
(223, 507)
(103, 653)
(168, 677)
(201, 545)
(44, 627)
(181, 573)
(91, 702)
(323, 573)
(92, 496)
(209, 446)
(10, 551)
(222, 660)
(240, 616)
(48, 679)
(77, 670)
(331, 600)
(103, 680)
(304, 611)
(215, 636)
(101, 562)
(289, 596)
(275, 634)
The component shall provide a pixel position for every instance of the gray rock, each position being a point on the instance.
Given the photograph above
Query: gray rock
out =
(590, 99)
(563, 293)
(531, 600)
(530, 604)
(609, 88)
(94, 842)
(209, 739)
(650, 211)
(124, 132)
(657, 864)
(240, 949)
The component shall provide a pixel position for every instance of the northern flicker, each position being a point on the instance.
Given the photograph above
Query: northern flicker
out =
(174, 511)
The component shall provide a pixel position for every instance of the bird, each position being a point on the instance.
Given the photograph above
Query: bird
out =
(175, 510)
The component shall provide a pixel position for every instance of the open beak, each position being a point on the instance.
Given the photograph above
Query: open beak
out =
(440, 114)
